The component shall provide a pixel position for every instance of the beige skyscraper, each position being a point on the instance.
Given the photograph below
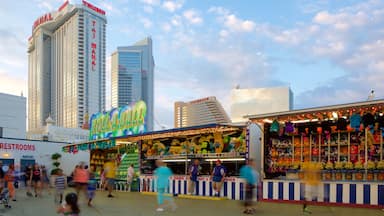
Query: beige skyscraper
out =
(200, 112)
(66, 60)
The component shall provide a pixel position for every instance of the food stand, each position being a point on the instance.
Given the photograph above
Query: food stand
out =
(346, 140)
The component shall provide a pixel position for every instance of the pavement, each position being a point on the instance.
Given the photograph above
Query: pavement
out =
(137, 204)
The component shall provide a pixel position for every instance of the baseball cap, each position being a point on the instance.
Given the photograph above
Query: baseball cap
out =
(218, 161)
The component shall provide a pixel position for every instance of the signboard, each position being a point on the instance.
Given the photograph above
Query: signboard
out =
(17, 147)
(122, 121)
(93, 7)
(93, 46)
(43, 19)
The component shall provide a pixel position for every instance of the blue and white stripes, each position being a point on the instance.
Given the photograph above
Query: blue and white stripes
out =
(329, 192)
(233, 188)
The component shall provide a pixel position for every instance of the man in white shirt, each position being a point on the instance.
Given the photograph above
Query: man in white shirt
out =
(130, 176)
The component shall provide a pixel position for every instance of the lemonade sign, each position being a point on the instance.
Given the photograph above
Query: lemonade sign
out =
(122, 121)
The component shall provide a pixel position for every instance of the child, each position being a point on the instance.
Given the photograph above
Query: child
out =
(92, 185)
(60, 185)
(71, 208)
(163, 173)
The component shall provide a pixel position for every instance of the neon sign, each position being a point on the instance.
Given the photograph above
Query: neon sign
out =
(122, 121)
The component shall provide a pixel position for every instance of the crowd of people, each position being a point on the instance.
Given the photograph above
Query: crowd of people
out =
(36, 180)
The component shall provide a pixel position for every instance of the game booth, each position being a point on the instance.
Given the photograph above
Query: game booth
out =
(120, 134)
(208, 143)
(345, 140)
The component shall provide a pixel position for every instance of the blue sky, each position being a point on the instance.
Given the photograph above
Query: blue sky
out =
(327, 51)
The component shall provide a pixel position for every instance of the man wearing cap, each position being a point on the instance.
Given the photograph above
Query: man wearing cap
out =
(218, 175)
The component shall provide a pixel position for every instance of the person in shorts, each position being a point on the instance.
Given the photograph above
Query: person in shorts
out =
(60, 185)
(81, 177)
(251, 177)
(312, 183)
(36, 180)
(110, 175)
(92, 186)
(218, 175)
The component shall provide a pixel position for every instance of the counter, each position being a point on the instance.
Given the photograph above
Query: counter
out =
(331, 192)
(233, 187)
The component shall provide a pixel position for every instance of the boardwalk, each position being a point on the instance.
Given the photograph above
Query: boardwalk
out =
(136, 204)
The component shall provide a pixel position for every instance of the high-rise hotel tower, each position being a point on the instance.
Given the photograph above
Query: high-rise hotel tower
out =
(66, 74)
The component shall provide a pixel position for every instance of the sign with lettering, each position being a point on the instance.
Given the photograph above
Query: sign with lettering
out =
(93, 7)
(17, 147)
(43, 19)
(93, 45)
(122, 121)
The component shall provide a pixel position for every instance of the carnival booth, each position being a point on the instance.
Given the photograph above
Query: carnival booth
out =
(346, 140)
(120, 134)
(105, 130)
(178, 148)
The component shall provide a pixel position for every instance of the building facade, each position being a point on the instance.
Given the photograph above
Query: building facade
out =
(200, 112)
(51, 132)
(13, 116)
(66, 74)
(132, 77)
(259, 101)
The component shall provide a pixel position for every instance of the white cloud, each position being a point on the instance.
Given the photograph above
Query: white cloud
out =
(166, 27)
(223, 33)
(12, 85)
(238, 25)
(172, 6)
(193, 16)
(148, 9)
(151, 2)
(176, 20)
(219, 10)
(146, 22)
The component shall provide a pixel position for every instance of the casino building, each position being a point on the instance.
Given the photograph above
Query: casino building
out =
(66, 71)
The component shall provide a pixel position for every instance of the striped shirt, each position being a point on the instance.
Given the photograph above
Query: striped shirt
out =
(60, 182)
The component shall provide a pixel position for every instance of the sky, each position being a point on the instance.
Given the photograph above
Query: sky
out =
(327, 51)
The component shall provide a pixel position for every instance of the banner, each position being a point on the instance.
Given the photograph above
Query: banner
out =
(122, 121)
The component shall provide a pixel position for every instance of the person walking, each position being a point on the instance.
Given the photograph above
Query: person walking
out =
(9, 182)
(312, 176)
(217, 176)
(81, 177)
(193, 174)
(2, 176)
(251, 177)
(27, 177)
(60, 185)
(35, 180)
(110, 175)
(162, 174)
(45, 179)
(130, 176)
(92, 186)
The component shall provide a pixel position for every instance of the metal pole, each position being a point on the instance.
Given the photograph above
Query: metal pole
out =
(338, 146)
(366, 151)
(349, 146)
